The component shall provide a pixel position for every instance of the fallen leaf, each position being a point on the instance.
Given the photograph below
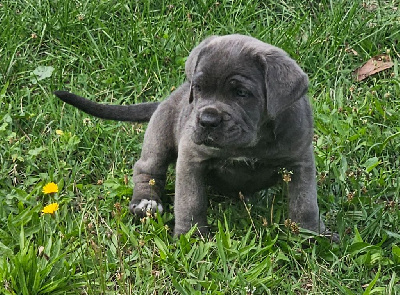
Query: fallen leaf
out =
(374, 65)
(40, 73)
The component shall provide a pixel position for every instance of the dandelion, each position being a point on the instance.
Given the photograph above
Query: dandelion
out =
(152, 182)
(59, 132)
(50, 188)
(249, 290)
(87, 121)
(50, 209)
(286, 175)
(138, 128)
(80, 17)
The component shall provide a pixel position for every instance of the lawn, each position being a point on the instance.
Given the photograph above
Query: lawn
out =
(122, 52)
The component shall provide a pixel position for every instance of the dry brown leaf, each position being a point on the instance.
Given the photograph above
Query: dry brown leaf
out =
(374, 65)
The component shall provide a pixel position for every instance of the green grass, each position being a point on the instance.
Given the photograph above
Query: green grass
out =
(132, 51)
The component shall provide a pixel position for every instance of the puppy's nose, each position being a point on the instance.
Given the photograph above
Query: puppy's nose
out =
(210, 118)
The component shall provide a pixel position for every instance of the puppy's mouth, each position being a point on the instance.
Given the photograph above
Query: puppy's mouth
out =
(209, 142)
(204, 139)
(218, 129)
(217, 138)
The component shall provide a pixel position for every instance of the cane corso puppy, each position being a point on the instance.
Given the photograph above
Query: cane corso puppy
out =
(241, 116)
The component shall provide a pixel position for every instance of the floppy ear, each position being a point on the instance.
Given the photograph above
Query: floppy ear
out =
(193, 60)
(285, 81)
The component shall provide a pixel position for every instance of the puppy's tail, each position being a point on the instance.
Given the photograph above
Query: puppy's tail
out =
(135, 112)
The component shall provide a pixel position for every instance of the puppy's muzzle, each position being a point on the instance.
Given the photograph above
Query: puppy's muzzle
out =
(209, 118)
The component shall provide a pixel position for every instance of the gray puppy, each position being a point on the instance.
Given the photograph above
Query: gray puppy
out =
(239, 119)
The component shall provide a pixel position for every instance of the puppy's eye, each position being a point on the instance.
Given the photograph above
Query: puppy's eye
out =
(241, 92)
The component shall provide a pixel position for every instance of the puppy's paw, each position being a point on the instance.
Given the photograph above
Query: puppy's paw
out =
(200, 231)
(145, 206)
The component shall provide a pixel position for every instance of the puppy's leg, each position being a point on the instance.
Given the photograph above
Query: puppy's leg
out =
(149, 171)
(190, 204)
(303, 207)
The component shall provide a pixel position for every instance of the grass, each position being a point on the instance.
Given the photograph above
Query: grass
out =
(132, 51)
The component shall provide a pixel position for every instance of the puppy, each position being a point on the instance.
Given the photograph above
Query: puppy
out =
(241, 116)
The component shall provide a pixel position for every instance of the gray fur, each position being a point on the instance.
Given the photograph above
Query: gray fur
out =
(135, 112)
(241, 116)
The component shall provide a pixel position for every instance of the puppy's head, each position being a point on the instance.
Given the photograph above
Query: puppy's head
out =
(239, 83)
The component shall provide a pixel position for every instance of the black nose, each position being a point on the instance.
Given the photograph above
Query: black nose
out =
(210, 118)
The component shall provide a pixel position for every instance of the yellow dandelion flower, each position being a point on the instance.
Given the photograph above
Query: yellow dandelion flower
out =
(152, 182)
(50, 188)
(50, 209)
(59, 132)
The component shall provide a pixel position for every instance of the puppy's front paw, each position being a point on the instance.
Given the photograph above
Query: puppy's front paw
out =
(145, 206)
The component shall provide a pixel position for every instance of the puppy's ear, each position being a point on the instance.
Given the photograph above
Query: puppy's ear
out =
(285, 81)
(193, 60)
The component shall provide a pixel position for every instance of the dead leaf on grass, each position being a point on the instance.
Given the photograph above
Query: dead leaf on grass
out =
(374, 65)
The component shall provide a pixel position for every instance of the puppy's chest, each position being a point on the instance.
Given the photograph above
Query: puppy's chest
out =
(242, 174)
(250, 163)
(241, 164)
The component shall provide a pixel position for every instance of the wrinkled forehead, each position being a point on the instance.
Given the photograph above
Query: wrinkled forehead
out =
(221, 59)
